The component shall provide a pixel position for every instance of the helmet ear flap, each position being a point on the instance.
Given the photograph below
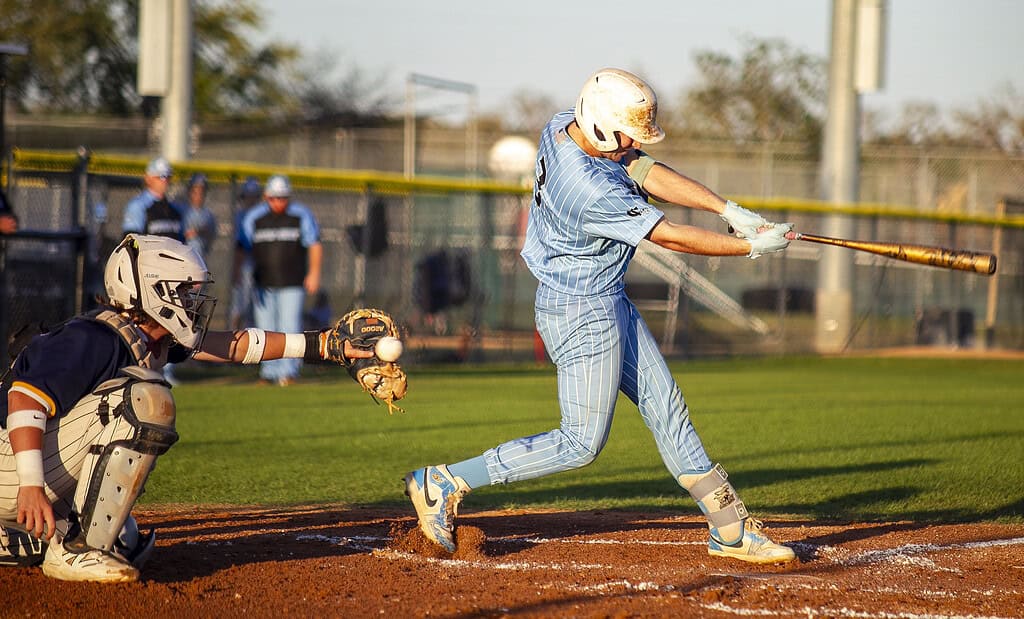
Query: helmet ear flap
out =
(121, 276)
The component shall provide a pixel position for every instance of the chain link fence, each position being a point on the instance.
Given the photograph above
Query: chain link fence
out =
(443, 255)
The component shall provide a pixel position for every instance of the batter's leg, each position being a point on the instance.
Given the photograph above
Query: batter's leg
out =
(584, 340)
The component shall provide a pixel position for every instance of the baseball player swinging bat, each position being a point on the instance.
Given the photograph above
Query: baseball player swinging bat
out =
(959, 259)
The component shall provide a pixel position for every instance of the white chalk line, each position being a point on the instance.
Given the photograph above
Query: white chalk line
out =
(898, 556)
(874, 556)
(490, 565)
(828, 611)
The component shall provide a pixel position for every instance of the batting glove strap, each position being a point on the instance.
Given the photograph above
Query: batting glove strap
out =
(744, 222)
(770, 240)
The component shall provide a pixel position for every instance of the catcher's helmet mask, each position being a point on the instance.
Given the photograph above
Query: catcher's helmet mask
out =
(167, 281)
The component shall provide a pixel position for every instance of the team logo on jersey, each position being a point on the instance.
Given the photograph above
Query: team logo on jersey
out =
(635, 211)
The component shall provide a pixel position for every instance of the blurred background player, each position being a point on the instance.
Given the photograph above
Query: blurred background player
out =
(87, 411)
(283, 239)
(151, 212)
(240, 312)
(200, 223)
(590, 211)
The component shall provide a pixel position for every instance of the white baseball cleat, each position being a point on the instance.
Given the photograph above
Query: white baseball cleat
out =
(753, 547)
(92, 565)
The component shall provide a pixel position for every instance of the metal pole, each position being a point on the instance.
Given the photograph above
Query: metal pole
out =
(409, 159)
(176, 106)
(838, 184)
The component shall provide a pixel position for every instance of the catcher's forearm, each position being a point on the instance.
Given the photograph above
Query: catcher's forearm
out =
(250, 346)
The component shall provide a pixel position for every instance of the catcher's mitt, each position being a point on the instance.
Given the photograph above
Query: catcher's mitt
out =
(383, 380)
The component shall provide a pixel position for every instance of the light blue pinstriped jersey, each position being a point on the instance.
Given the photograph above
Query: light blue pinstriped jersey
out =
(586, 219)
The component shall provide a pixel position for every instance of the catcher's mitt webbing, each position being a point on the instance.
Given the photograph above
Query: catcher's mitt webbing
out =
(362, 328)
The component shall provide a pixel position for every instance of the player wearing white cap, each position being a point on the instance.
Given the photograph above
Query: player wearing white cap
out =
(151, 211)
(282, 238)
(590, 212)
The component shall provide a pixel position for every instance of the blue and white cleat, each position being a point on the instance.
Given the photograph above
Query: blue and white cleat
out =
(753, 547)
(436, 494)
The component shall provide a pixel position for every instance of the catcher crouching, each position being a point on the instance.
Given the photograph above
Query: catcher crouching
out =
(77, 445)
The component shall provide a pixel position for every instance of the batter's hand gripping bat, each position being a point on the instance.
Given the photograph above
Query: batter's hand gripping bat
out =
(959, 259)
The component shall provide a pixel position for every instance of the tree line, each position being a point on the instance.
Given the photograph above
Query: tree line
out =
(83, 61)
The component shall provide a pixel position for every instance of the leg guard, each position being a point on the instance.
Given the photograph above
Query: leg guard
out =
(718, 500)
(141, 415)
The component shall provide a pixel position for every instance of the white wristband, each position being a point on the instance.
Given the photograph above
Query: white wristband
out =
(294, 346)
(257, 343)
(27, 418)
(30, 467)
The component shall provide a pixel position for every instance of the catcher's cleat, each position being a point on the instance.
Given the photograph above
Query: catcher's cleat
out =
(92, 566)
(436, 494)
(20, 549)
(753, 547)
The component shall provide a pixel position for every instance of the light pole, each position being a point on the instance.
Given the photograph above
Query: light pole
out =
(416, 79)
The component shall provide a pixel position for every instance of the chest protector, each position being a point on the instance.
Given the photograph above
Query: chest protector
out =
(131, 336)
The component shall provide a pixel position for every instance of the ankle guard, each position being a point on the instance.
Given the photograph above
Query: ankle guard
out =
(718, 501)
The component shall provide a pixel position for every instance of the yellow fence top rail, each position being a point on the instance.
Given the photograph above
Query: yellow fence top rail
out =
(393, 183)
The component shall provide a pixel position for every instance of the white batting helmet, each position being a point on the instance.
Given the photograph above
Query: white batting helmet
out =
(615, 100)
(165, 279)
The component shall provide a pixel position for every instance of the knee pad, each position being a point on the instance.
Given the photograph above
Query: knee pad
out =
(718, 501)
(140, 427)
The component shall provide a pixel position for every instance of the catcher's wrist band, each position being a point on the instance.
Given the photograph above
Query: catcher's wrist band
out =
(257, 343)
(294, 346)
(26, 419)
(312, 352)
(29, 464)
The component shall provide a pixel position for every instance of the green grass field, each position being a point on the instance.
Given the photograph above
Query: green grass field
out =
(851, 439)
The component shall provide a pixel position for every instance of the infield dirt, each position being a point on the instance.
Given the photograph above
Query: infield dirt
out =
(339, 561)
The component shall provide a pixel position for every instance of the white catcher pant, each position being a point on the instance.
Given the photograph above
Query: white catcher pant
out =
(66, 443)
(601, 345)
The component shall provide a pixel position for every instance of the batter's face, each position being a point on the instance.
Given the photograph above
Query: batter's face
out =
(626, 146)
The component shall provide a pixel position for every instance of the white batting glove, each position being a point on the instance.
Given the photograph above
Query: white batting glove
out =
(771, 240)
(745, 223)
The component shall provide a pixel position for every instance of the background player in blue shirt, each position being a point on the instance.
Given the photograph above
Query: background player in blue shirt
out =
(590, 211)
(151, 212)
(283, 239)
(87, 411)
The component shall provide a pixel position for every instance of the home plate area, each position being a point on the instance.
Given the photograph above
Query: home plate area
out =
(372, 562)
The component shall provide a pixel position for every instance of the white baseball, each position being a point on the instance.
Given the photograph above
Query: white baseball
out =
(388, 348)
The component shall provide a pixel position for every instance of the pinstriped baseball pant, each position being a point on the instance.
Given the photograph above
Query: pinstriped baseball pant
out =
(67, 442)
(600, 345)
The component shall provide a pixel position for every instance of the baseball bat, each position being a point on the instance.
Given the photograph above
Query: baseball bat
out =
(959, 259)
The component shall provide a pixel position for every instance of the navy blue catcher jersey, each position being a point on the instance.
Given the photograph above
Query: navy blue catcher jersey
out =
(62, 366)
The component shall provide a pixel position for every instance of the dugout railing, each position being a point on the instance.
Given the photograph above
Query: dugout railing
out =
(442, 254)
